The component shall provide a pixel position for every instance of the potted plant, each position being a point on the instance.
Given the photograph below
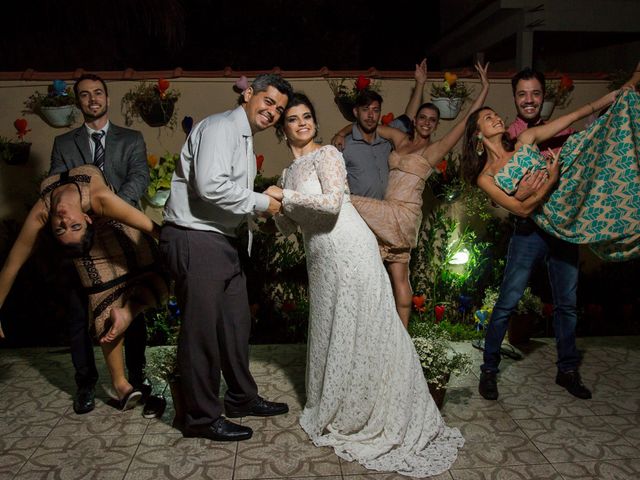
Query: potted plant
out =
(162, 366)
(557, 93)
(57, 107)
(449, 95)
(154, 103)
(445, 182)
(16, 153)
(521, 323)
(439, 361)
(160, 173)
(345, 97)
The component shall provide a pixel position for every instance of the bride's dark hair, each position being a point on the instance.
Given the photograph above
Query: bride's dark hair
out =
(298, 98)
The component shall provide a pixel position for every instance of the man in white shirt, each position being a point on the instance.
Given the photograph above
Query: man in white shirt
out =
(211, 198)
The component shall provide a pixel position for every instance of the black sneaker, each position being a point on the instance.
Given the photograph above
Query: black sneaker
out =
(573, 383)
(154, 406)
(488, 386)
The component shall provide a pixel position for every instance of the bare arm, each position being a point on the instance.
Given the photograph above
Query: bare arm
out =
(437, 150)
(415, 101)
(394, 135)
(21, 250)
(338, 139)
(105, 203)
(635, 78)
(523, 208)
(548, 130)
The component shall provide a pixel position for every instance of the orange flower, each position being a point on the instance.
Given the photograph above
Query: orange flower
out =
(152, 160)
(442, 166)
(450, 78)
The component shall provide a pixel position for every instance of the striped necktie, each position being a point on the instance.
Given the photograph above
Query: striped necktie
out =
(98, 154)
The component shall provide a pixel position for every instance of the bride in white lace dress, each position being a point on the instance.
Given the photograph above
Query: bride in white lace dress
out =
(366, 393)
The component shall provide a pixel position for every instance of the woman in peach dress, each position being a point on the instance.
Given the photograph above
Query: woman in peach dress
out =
(396, 220)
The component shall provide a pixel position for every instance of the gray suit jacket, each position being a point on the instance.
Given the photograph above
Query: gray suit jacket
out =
(125, 162)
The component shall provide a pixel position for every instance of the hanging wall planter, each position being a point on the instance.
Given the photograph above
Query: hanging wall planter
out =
(58, 116)
(346, 108)
(159, 113)
(448, 107)
(547, 109)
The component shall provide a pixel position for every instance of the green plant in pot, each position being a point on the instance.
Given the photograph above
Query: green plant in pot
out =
(160, 174)
(154, 103)
(439, 360)
(57, 107)
(528, 309)
(162, 366)
(449, 95)
(16, 152)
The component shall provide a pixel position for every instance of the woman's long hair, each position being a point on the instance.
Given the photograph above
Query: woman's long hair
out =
(473, 163)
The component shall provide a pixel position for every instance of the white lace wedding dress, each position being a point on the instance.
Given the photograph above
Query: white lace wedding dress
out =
(366, 394)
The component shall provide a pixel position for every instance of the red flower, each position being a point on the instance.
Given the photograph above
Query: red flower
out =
(442, 166)
(418, 302)
(259, 160)
(565, 82)
(162, 87)
(387, 119)
(438, 310)
(288, 306)
(21, 127)
(362, 83)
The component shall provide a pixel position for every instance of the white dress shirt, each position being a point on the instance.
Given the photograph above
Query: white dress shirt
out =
(212, 186)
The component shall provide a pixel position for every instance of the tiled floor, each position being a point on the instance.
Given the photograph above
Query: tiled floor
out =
(535, 431)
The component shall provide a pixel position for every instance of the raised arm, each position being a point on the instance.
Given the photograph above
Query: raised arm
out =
(21, 250)
(635, 78)
(105, 203)
(392, 134)
(548, 130)
(437, 150)
(415, 101)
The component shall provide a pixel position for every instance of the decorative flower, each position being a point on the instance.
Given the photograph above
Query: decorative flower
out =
(438, 311)
(152, 160)
(259, 161)
(481, 317)
(446, 183)
(450, 87)
(242, 83)
(288, 306)
(387, 119)
(419, 302)
(450, 78)
(21, 128)
(362, 83)
(58, 95)
(559, 91)
(162, 87)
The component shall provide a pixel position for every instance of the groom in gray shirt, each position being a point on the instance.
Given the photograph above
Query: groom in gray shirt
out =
(211, 198)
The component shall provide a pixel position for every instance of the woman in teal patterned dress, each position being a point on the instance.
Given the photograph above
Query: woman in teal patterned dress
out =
(597, 199)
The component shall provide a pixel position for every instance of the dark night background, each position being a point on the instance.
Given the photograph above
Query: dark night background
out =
(210, 35)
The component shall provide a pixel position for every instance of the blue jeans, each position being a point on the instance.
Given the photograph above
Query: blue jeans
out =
(529, 245)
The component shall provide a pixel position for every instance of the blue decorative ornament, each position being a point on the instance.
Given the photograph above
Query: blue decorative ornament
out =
(187, 125)
(481, 316)
(59, 88)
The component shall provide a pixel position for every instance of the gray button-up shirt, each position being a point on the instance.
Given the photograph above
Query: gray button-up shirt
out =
(211, 188)
(367, 163)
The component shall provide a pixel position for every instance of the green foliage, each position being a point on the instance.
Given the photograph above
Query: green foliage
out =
(143, 98)
(162, 363)
(457, 332)
(35, 102)
(529, 303)
(454, 90)
(438, 360)
(160, 172)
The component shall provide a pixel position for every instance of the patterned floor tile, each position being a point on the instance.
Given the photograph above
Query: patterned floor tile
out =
(516, 472)
(284, 453)
(613, 401)
(496, 443)
(79, 458)
(161, 457)
(463, 406)
(627, 469)
(355, 471)
(27, 421)
(537, 401)
(577, 439)
(33, 394)
(627, 425)
(130, 422)
(279, 422)
(14, 453)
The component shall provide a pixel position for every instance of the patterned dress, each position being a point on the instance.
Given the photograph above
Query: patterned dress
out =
(597, 201)
(366, 393)
(395, 221)
(121, 258)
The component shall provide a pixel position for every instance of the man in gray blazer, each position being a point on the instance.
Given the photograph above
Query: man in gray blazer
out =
(121, 154)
